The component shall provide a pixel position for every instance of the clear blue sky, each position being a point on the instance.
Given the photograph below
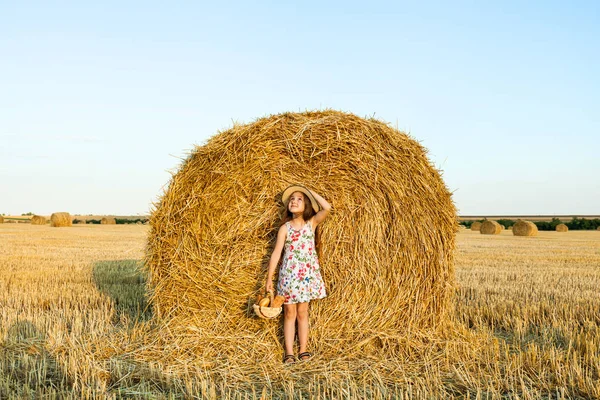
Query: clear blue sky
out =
(99, 100)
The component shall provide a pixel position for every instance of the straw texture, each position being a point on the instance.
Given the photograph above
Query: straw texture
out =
(490, 228)
(389, 238)
(38, 220)
(1, 219)
(562, 228)
(108, 221)
(476, 226)
(60, 219)
(525, 228)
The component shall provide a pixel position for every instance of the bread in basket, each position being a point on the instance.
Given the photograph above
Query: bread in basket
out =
(268, 307)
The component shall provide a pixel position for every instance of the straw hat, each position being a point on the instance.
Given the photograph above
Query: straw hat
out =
(299, 188)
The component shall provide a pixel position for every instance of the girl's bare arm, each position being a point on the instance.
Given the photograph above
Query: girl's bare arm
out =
(281, 235)
(325, 208)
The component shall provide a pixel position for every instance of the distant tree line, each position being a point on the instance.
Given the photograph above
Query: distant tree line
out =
(574, 225)
(120, 221)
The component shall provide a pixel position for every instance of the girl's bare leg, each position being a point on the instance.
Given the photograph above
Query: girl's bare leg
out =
(302, 316)
(289, 327)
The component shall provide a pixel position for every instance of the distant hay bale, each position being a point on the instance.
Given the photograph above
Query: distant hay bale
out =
(476, 226)
(38, 220)
(598, 228)
(390, 236)
(490, 228)
(524, 228)
(81, 222)
(138, 223)
(510, 228)
(11, 221)
(108, 221)
(502, 227)
(562, 228)
(61, 219)
(1, 219)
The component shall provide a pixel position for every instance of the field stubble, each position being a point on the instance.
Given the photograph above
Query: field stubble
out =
(74, 324)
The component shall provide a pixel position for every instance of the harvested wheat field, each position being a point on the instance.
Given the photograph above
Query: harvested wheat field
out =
(75, 325)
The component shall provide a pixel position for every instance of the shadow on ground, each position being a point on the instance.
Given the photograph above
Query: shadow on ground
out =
(124, 281)
(27, 369)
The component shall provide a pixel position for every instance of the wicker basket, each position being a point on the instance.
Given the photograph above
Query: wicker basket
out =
(267, 312)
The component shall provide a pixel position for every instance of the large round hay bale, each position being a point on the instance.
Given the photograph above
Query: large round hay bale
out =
(562, 228)
(490, 228)
(386, 249)
(524, 228)
(476, 226)
(108, 221)
(38, 220)
(61, 219)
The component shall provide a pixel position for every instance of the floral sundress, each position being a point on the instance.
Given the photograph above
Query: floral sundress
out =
(300, 277)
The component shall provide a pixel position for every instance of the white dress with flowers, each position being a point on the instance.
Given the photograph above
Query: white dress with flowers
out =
(300, 277)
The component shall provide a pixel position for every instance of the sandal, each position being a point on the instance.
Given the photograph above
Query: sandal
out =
(289, 357)
(304, 356)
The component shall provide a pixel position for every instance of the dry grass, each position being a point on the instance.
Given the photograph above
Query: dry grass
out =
(73, 326)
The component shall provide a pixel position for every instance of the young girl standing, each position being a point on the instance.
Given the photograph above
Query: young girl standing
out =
(300, 278)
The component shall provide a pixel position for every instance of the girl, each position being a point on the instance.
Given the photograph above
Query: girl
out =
(299, 276)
